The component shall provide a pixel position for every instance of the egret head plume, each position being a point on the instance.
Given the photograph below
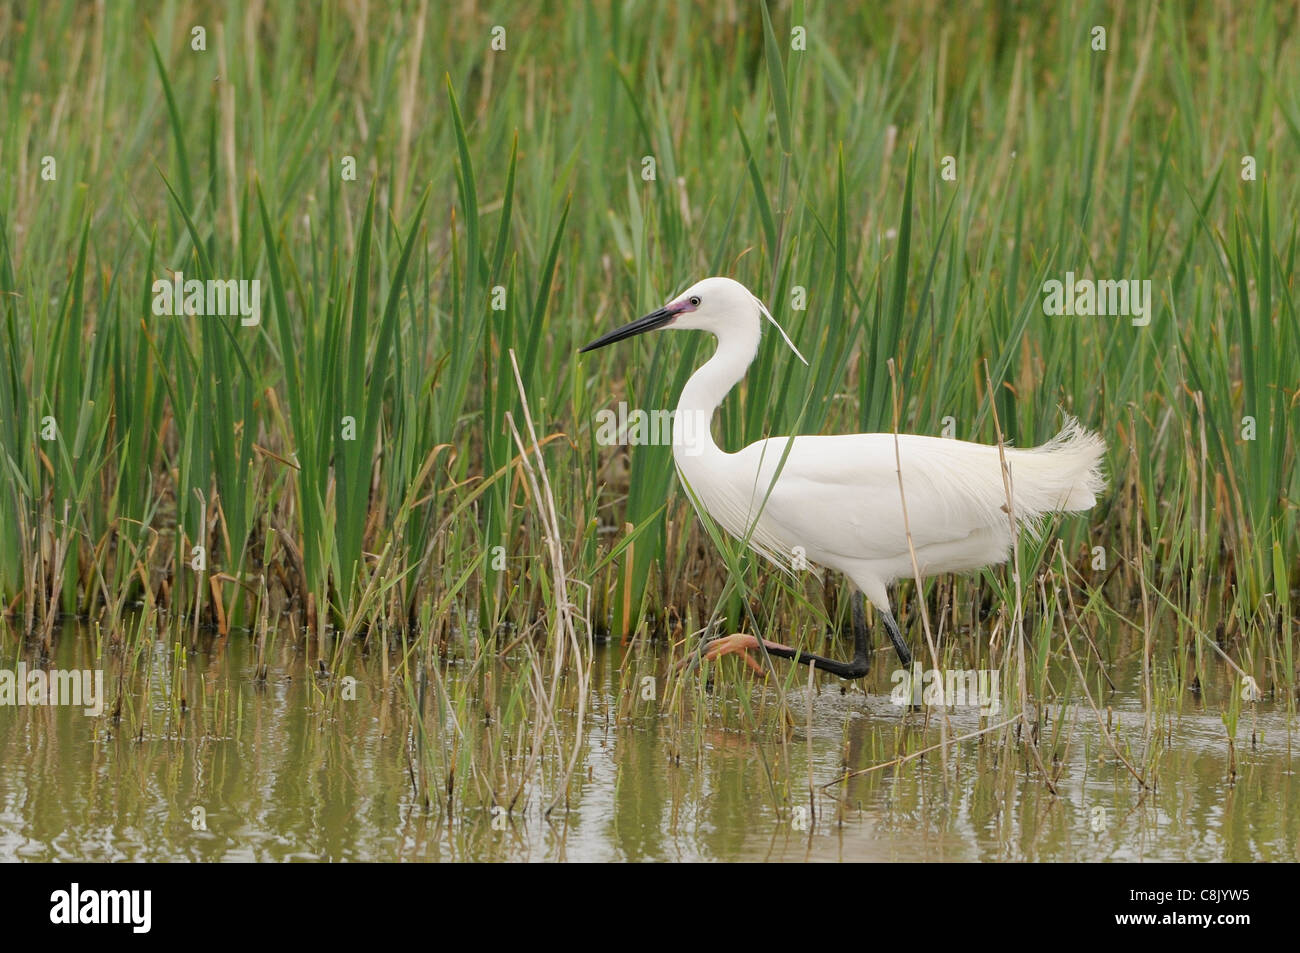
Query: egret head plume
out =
(785, 337)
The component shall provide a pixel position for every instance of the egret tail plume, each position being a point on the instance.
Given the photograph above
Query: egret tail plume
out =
(1062, 475)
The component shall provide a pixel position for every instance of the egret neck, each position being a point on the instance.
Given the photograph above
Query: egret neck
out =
(692, 426)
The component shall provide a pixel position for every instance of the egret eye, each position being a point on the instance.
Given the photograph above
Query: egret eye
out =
(695, 301)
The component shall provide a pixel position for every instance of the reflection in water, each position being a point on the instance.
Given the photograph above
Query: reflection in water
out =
(207, 763)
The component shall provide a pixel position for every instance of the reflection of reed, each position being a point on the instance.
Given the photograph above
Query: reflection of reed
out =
(289, 768)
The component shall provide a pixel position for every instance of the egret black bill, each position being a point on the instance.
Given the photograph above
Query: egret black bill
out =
(655, 319)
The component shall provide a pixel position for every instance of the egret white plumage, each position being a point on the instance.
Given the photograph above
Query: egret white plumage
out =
(836, 501)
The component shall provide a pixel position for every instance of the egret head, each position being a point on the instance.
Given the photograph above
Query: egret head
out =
(720, 306)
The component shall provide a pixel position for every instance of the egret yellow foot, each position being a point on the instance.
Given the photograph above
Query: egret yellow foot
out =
(741, 644)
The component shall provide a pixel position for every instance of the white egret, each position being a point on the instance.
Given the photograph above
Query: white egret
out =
(836, 501)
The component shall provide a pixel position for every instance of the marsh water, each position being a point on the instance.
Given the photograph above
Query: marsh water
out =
(276, 768)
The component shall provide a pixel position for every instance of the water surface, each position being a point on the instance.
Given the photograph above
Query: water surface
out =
(282, 769)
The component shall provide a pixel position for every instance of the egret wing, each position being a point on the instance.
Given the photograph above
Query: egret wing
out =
(841, 494)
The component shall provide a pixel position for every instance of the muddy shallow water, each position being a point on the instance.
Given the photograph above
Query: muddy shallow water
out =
(246, 769)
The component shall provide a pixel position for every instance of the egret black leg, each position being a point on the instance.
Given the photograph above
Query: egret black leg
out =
(859, 667)
(904, 654)
(861, 663)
